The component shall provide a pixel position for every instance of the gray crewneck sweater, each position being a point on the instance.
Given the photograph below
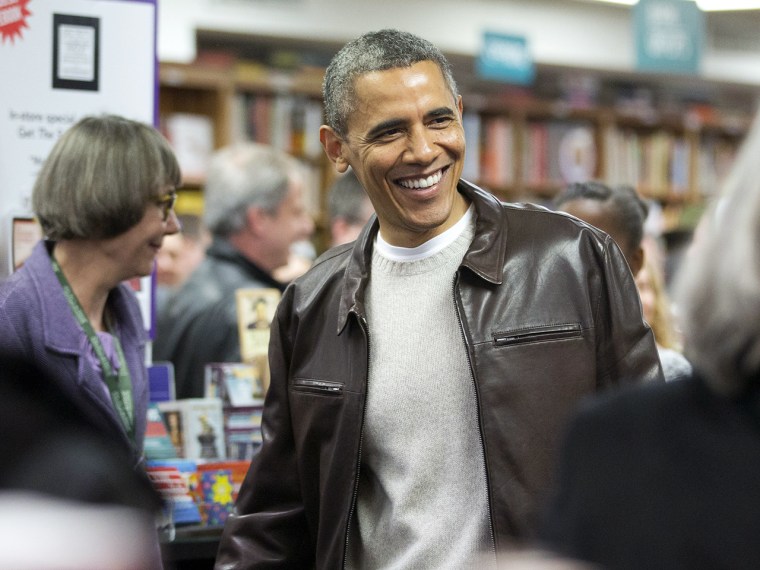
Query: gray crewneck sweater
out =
(422, 492)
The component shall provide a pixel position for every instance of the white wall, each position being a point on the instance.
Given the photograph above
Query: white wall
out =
(565, 32)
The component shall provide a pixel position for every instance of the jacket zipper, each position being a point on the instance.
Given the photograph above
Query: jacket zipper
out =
(538, 334)
(477, 409)
(318, 386)
(355, 495)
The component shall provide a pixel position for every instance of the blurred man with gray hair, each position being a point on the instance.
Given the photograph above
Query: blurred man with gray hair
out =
(254, 209)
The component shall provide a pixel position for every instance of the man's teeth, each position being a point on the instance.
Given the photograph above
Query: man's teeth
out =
(422, 182)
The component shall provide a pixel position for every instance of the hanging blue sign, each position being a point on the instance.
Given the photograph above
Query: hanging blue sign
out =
(505, 58)
(669, 36)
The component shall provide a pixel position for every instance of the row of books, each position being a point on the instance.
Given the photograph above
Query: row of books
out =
(288, 122)
(226, 424)
(192, 138)
(497, 151)
(657, 162)
(196, 493)
(558, 152)
(199, 449)
(503, 152)
(551, 152)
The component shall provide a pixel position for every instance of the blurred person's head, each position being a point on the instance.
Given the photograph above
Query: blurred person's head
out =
(182, 252)
(58, 446)
(254, 198)
(718, 286)
(349, 208)
(65, 470)
(618, 211)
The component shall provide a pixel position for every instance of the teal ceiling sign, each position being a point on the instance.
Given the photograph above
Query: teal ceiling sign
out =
(505, 58)
(669, 36)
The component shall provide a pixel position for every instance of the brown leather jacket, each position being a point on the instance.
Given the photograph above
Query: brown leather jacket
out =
(549, 314)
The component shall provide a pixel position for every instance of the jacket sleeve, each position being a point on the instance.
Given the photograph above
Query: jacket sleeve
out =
(626, 350)
(268, 528)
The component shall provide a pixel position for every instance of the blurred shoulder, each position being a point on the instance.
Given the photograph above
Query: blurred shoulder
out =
(642, 408)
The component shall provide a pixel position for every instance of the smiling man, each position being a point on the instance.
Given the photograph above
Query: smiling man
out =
(421, 376)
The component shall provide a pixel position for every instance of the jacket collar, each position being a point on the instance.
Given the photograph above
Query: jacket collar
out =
(60, 329)
(62, 333)
(485, 256)
(223, 250)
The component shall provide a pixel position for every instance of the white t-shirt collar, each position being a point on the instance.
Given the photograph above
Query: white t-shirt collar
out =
(430, 247)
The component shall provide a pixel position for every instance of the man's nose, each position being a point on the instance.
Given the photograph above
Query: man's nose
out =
(420, 147)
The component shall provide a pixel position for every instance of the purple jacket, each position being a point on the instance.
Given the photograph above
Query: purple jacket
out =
(36, 323)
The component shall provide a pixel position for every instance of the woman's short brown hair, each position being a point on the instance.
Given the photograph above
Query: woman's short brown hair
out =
(99, 177)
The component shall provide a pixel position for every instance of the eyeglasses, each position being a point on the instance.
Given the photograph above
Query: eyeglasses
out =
(166, 203)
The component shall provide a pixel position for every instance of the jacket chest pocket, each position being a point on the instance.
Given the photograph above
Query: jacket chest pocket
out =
(544, 333)
(318, 387)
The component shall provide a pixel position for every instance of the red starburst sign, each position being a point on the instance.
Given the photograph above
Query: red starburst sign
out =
(13, 14)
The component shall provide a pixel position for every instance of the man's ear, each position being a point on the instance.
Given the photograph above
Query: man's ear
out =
(255, 219)
(637, 260)
(333, 145)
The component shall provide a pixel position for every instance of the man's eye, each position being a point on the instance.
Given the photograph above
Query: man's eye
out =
(390, 133)
(441, 121)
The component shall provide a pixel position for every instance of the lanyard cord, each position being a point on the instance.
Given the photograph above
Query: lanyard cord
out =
(119, 383)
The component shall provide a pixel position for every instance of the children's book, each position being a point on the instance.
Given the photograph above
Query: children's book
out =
(196, 426)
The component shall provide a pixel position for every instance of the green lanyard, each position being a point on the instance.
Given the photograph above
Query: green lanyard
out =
(119, 383)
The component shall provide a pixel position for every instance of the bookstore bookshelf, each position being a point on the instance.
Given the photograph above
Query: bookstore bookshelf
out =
(671, 138)
(198, 450)
(205, 106)
(526, 150)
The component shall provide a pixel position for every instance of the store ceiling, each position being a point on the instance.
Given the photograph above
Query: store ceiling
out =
(729, 29)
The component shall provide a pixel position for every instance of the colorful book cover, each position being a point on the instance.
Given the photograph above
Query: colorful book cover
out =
(238, 469)
(203, 428)
(161, 382)
(196, 425)
(243, 417)
(172, 415)
(173, 481)
(255, 310)
(158, 444)
(243, 444)
(235, 383)
(217, 489)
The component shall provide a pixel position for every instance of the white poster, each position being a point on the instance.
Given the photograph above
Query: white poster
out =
(59, 61)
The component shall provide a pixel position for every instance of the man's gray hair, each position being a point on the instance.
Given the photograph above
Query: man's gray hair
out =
(243, 175)
(718, 288)
(374, 51)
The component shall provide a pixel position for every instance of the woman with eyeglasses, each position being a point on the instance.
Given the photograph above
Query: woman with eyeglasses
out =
(104, 199)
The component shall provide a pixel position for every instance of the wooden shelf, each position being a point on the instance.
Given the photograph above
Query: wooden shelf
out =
(674, 154)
